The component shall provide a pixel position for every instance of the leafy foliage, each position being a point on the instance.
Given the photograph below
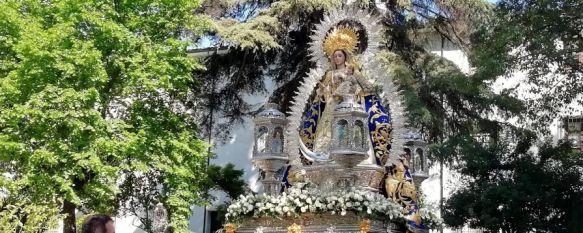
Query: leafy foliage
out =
(510, 188)
(94, 92)
(542, 39)
(22, 217)
(141, 192)
(506, 187)
(227, 179)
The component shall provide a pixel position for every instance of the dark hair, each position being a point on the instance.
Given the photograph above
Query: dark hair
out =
(343, 52)
(95, 223)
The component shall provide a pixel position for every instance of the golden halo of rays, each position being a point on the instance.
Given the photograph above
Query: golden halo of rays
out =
(342, 37)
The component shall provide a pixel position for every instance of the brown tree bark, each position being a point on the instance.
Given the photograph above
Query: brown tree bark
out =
(69, 221)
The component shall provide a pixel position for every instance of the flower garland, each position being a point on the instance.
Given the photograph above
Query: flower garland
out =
(304, 198)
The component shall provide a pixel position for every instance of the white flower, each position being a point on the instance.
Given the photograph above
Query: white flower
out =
(320, 205)
(304, 198)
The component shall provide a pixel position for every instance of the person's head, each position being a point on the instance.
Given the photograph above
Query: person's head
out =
(339, 58)
(98, 224)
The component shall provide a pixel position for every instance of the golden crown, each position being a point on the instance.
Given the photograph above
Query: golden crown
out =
(342, 37)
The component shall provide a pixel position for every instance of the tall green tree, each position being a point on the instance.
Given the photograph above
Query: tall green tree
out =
(93, 92)
(505, 186)
(543, 39)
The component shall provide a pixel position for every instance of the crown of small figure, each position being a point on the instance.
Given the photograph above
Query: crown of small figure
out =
(342, 37)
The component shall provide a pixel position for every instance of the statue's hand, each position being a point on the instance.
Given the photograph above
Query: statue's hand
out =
(350, 71)
(319, 93)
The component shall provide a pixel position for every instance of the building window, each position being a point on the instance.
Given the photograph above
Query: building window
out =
(572, 126)
(215, 225)
(483, 138)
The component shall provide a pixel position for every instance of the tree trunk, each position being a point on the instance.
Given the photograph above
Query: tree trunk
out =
(69, 221)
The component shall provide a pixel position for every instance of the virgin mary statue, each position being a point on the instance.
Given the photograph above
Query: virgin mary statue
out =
(343, 80)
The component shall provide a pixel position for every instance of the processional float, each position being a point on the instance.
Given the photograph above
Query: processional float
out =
(336, 163)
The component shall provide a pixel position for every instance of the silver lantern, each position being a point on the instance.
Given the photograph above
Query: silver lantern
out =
(350, 140)
(268, 151)
(416, 150)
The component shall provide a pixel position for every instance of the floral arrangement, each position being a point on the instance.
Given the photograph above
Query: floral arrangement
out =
(430, 219)
(304, 197)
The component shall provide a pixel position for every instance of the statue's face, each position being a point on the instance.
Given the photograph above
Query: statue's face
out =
(339, 57)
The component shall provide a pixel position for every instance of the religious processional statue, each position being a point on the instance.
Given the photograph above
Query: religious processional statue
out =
(343, 82)
(329, 169)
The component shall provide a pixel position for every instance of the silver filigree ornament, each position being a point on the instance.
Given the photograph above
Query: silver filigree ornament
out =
(259, 229)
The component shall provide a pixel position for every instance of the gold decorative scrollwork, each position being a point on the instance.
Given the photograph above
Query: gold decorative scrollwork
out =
(400, 188)
(381, 134)
(307, 134)
(364, 226)
(230, 228)
(294, 228)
